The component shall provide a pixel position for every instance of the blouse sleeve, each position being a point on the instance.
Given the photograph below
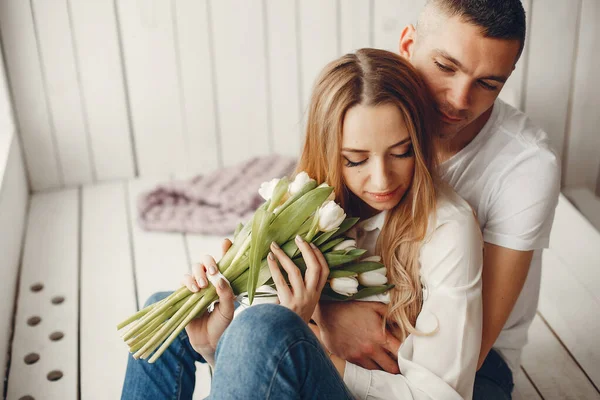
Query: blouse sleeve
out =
(441, 362)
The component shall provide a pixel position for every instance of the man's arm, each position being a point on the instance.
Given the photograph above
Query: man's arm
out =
(504, 274)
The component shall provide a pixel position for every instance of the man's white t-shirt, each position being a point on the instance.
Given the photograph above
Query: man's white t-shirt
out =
(511, 177)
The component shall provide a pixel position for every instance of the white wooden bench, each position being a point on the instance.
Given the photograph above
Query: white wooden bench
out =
(107, 99)
(83, 245)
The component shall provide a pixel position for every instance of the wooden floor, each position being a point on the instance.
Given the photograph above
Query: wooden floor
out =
(87, 265)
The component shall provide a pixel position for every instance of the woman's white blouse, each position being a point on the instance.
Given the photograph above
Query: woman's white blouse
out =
(443, 364)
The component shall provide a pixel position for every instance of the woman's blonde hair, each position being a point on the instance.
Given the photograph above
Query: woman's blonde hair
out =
(372, 77)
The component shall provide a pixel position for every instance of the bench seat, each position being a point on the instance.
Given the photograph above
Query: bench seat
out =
(87, 265)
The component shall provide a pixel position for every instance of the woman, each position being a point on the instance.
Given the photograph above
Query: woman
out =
(368, 135)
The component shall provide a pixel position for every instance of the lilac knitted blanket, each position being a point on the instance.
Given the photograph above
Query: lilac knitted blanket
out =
(214, 203)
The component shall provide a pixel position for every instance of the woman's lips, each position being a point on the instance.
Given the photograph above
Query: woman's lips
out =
(382, 197)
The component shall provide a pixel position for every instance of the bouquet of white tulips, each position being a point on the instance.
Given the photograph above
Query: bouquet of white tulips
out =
(290, 209)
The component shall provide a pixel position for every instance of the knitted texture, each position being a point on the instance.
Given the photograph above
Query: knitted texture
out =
(214, 203)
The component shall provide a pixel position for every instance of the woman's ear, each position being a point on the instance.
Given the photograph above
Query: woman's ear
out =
(407, 41)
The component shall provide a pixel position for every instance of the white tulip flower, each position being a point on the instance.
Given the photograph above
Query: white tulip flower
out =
(331, 215)
(332, 195)
(346, 286)
(267, 188)
(301, 179)
(349, 244)
(373, 278)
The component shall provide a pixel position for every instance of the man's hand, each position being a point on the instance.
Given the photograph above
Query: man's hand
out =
(354, 331)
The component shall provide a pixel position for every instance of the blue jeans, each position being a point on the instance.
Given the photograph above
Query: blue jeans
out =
(494, 380)
(268, 352)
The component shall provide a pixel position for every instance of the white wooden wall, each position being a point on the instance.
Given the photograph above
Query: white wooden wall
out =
(14, 199)
(110, 89)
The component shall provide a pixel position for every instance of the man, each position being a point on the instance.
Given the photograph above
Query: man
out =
(496, 159)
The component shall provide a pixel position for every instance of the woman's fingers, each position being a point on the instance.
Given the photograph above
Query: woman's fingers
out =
(226, 305)
(190, 282)
(324, 267)
(313, 267)
(210, 264)
(199, 273)
(225, 245)
(283, 291)
(294, 274)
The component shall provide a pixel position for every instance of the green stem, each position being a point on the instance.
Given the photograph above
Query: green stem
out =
(188, 304)
(199, 307)
(151, 327)
(160, 338)
(172, 299)
(144, 311)
(139, 341)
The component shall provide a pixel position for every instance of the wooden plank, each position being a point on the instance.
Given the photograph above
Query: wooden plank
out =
(587, 203)
(548, 89)
(524, 389)
(160, 257)
(512, 92)
(51, 259)
(96, 41)
(551, 369)
(241, 79)
(7, 124)
(203, 381)
(197, 83)
(148, 42)
(14, 201)
(28, 91)
(62, 84)
(284, 77)
(572, 312)
(355, 25)
(583, 151)
(580, 250)
(106, 268)
(390, 17)
(319, 41)
(198, 246)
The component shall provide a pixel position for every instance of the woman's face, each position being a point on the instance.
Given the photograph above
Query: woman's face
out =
(377, 155)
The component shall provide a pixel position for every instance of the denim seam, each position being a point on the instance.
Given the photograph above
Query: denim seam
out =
(179, 372)
(287, 350)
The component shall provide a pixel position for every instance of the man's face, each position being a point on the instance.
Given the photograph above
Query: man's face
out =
(464, 70)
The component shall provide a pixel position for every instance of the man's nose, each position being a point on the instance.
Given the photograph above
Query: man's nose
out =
(459, 96)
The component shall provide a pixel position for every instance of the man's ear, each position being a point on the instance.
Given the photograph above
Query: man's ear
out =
(407, 41)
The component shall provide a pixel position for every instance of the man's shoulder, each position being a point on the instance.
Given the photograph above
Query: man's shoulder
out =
(451, 207)
(516, 132)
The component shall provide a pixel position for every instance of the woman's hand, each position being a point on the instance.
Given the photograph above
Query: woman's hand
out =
(303, 295)
(204, 332)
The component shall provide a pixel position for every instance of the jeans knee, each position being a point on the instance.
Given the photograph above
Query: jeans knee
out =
(158, 296)
(264, 321)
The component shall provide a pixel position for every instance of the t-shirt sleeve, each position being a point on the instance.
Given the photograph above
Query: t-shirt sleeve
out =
(521, 207)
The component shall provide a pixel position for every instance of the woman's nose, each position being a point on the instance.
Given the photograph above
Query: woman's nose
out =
(380, 176)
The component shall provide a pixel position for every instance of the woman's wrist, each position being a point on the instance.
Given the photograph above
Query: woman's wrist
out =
(208, 354)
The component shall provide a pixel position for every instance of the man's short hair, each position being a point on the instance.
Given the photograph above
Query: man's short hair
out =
(500, 19)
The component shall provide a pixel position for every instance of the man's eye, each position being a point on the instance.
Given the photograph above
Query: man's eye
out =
(487, 86)
(443, 67)
(354, 164)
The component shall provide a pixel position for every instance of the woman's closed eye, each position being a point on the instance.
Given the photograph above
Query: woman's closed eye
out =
(407, 154)
(353, 163)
